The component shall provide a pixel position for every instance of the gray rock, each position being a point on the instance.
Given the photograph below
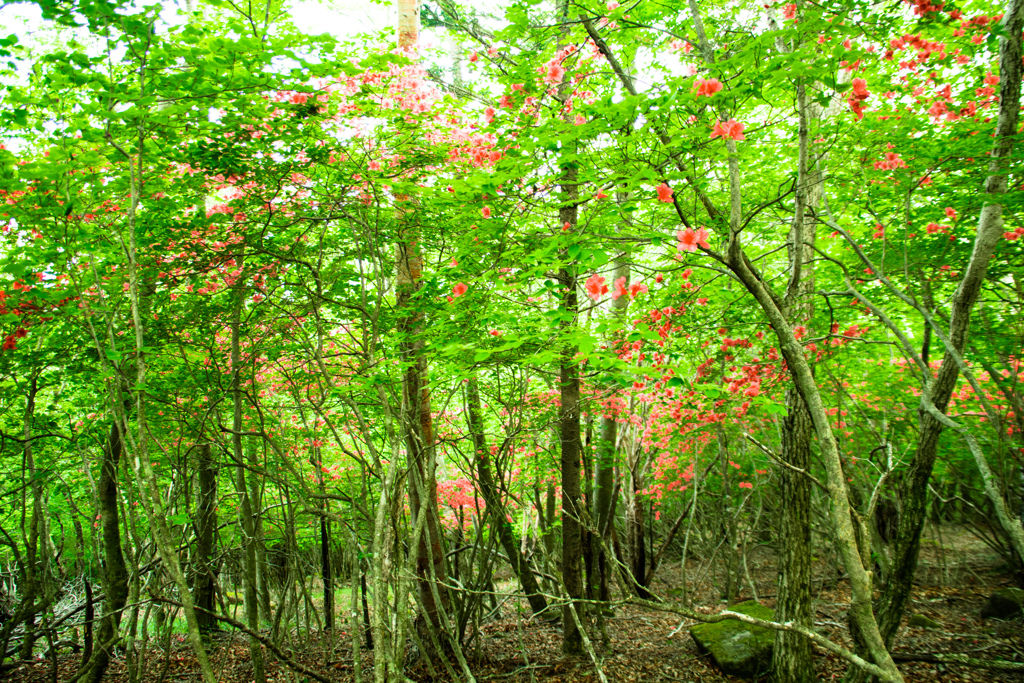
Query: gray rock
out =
(1005, 603)
(738, 649)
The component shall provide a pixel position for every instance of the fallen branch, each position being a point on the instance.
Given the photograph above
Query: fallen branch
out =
(266, 642)
(961, 659)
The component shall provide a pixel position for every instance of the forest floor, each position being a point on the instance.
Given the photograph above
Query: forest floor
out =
(954, 580)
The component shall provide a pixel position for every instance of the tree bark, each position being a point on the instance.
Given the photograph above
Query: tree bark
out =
(205, 577)
(607, 444)
(569, 430)
(33, 564)
(495, 507)
(245, 507)
(635, 537)
(115, 572)
(791, 657)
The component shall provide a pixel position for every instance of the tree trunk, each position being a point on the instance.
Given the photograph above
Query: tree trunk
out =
(791, 658)
(605, 485)
(606, 448)
(115, 572)
(205, 577)
(32, 564)
(326, 570)
(569, 431)
(914, 495)
(495, 507)
(245, 507)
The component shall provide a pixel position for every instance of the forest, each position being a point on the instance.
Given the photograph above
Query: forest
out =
(537, 340)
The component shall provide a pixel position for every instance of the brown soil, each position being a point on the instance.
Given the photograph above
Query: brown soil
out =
(954, 580)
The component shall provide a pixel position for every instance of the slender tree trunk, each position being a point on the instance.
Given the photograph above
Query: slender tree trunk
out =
(495, 507)
(636, 543)
(606, 448)
(115, 572)
(326, 569)
(605, 485)
(569, 429)
(206, 523)
(245, 507)
(416, 418)
(914, 495)
(34, 521)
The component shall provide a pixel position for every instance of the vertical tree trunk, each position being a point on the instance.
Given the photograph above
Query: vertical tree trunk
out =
(606, 449)
(256, 493)
(419, 440)
(572, 503)
(205, 577)
(605, 485)
(326, 570)
(569, 432)
(417, 423)
(791, 658)
(245, 508)
(34, 521)
(115, 572)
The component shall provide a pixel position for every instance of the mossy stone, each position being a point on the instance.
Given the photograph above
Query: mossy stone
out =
(1005, 603)
(737, 648)
(921, 621)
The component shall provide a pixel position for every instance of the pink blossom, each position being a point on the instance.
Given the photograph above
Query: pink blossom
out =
(707, 87)
(689, 239)
(486, 212)
(554, 75)
(637, 288)
(459, 289)
(595, 286)
(664, 193)
(620, 288)
(728, 130)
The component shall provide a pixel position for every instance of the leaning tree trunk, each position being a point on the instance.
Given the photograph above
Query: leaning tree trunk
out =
(495, 507)
(914, 495)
